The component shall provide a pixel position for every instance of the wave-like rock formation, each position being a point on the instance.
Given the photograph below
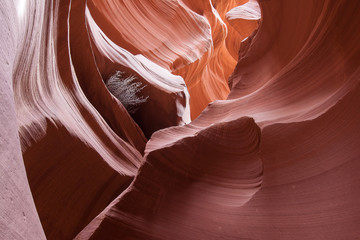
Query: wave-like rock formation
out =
(272, 88)
(18, 216)
(207, 77)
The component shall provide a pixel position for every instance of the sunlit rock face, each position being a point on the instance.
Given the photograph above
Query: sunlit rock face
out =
(18, 216)
(207, 77)
(272, 89)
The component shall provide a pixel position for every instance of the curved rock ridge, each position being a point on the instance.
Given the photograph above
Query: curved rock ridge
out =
(18, 216)
(53, 92)
(209, 178)
(303, 93)
(295, 81)
(308, 190)
(167, 92)
(207, 78)
(247, 11)
(238, 28)
(244, 19)
(91, 83)
(190, 40)
(165, 32)
(276, 155)
(81, 148)
(314, 183)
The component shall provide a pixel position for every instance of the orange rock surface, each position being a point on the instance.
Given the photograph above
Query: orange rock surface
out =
(272, 89)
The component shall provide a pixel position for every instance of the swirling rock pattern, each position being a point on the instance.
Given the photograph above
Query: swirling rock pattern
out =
(167, 92)
(18, 216)
(207, 78)
(275, 155)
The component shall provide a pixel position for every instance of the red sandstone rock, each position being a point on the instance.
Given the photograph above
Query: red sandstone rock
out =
(308, 190)
(201, 184)
(18, 216)
(207, 78)
(77, 159)
(276, 159)
(167, 93)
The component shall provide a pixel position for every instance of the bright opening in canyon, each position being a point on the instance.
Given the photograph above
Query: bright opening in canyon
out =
(179, 119)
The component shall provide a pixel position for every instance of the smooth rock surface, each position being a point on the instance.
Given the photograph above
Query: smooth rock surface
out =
(18, 216)
(272, 89)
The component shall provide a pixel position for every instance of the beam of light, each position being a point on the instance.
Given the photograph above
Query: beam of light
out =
(20, 7)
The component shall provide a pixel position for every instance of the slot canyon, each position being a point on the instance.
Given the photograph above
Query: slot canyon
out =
(179, 119)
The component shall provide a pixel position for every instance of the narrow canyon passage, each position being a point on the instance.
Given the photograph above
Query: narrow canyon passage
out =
(196, 42)
(157, 119)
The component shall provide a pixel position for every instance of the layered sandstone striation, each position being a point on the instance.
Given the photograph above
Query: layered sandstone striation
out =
(272, 89)
(18, 216)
